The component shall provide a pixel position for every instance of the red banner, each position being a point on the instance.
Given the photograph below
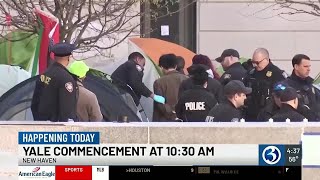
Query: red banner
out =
(50, 30)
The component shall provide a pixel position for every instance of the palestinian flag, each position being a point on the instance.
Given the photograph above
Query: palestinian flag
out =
(32, 51)
(19, 53)
(49, 34)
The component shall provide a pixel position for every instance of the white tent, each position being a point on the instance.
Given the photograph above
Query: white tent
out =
(11, 76)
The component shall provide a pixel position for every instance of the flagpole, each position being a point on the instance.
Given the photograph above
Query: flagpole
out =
(8, 20)
(10, 47)
(37, 51)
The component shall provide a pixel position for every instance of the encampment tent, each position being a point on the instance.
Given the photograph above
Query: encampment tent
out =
(114, 103)
(11, 76)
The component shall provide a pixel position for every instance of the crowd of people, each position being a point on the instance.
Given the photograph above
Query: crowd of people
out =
(256, 91)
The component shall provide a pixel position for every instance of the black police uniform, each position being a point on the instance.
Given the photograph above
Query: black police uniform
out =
(287, 111)
(234, 72)
(213, 85)
(267, 112)
(261, 83)
(195, 104)
(55, 95)
(271, 108)
(224, 112)
(130, 73)
(248, 66)
(308, 95)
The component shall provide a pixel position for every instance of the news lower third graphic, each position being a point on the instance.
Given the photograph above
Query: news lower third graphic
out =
(82, 156)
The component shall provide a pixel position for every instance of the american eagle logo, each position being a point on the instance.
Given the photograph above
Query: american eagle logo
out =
(36, 169)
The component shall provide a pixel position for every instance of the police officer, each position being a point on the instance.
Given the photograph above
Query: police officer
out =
(261, 80)
(289, 105)
(55, 94)
(271, 108)
(247, 65)
(195, 103)
(308, 95)
(229, 60)
(129, 76)
(230, 110)
(88, 109)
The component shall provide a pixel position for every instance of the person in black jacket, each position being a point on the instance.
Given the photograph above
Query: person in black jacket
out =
(213, 85)
(55, 95)
(271, 109)
(308, 95)
(262, 80)
(194, 104)
(247, 65)
(289, 105)
(229, 60)
(129, 76)
(230, 110)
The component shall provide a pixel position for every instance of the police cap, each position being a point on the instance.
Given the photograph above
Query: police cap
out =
(226, 53)
(63, 49)
(288, 94)
(279, 88)
(236, 86)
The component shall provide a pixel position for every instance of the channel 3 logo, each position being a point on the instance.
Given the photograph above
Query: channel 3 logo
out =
(271, 155)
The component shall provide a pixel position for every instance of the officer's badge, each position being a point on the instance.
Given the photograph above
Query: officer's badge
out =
(269, 74)
(139, 68)
(227, 76)
(69, 86)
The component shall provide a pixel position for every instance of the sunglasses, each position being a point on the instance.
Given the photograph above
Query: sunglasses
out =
(258, 62)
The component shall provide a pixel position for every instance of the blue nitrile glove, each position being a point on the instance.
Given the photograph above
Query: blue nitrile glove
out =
(159, 99)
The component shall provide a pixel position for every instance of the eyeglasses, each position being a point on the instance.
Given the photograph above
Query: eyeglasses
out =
(258, 62)
(279, 87)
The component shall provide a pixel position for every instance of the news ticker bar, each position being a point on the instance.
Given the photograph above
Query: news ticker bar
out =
(205, 172)
(159, 172)
(161, 154)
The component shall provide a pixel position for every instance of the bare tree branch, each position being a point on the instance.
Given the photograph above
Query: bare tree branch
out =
(90, 24)
(293, 7)
(6, 38)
